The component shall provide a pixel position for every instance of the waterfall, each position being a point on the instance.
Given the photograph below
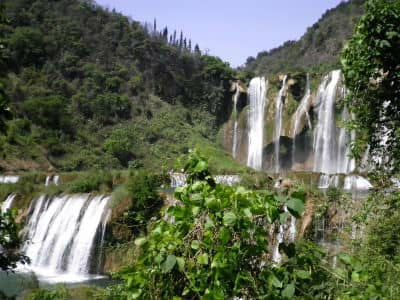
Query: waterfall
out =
(179, 179)
(61, 234)
(345, 164)
(235, 114)
(9, 179)
(278, 123)
(276, 256)
(6, 205)
(325, 145)
(354, 182)
(257, 97)
(52, 179)
(300, 114)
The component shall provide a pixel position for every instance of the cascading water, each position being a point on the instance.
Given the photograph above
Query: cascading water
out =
(346, 164)
(179, 179)
(9, 179)
(332, 144)
(235, 126)
(257, 97)
(52, 179)
(278, 123)
(301, 114)
(325, 143)
(8, 202)
(61, 234)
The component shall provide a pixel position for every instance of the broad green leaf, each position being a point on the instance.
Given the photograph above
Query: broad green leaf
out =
(203, 259)
(201, 166)
(346, 259)
(302, 274)
(295, 207)
(209, 224)
(248, 213)
(355, 276)
(300, 194)
(195, 245)
(181, 263)
(212, 203)
(224, 236)
(169, 263)
(288, 291)
(276, 282)
(229, 219)
(140, 241)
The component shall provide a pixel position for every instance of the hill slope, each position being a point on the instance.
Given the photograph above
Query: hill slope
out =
(317, 49)
(90, 88)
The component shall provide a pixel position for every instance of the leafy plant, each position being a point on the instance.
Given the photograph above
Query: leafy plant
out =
(214, 245)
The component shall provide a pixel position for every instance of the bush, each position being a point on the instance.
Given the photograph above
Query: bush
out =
(101, 181)
(146, 200)
(109, 108)
(49, 112)
(217, 248)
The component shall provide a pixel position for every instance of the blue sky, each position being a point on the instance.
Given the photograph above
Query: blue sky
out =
(231, 29)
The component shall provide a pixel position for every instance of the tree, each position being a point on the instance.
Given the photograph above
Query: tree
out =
(371, 66)
(9, 239)
(197, 50)
(4, 111)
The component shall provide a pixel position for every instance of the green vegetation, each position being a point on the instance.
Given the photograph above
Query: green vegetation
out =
(10, 242)
(318, 49)
(216, 245)
(102, 91)
(372, 72)
(62, 293)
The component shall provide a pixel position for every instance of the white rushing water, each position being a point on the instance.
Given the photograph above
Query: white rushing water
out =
(325, 140)
(257, 97)
(278, 123)
(235, 113)
(179, 179)
(52, 179)
(62, 233)
(9, 179)
(6, 205)
(276, 255)
(355, 182)
(300, 116)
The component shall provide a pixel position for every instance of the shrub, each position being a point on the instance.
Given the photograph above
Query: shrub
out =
(217, 247)
(101, 181)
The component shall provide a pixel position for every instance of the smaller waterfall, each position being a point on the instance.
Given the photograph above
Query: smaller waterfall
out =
(300, 114)
(52, 179)
(276, 255)
(257, 97)
(9, 179)
(353, 182)
(278, 123)
(179, 179)
(292, 229)
(6, 205)
(235, 114)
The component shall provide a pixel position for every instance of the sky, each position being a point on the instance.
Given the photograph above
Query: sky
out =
(230, 29)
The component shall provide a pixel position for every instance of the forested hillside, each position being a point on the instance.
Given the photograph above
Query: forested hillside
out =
(317, 49)
(89, 87)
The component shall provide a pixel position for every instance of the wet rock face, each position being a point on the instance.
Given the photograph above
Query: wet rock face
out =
(301, 126)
